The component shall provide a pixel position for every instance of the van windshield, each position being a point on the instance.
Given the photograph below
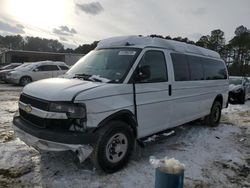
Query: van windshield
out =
(105, 65)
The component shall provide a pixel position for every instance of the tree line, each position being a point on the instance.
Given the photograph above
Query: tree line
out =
(235, 52)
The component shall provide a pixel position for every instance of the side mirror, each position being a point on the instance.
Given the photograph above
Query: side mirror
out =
(35, 70)
(143, 73)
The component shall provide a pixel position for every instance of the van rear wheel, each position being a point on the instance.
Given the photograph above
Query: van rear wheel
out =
(213, 118)
(25, 80)
(114, 147)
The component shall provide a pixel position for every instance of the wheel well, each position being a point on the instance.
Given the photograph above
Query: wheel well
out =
(125, 116)
(219, 98)
(26, 76)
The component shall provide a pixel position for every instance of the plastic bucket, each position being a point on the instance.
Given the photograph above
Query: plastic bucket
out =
(166, 180)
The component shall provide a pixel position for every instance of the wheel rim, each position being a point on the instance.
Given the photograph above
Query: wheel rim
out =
(216, 114)
(116, 147)
(25, 81)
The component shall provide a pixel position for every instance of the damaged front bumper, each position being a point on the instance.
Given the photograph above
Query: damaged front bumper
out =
(46, 140)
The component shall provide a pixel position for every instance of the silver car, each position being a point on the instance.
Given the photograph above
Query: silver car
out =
(239, 89)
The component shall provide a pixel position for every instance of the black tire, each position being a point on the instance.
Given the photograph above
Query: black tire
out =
(242, 98)
(213, 118)
(104, 154)
(25, 80)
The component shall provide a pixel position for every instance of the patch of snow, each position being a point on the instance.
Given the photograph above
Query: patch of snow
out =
(209, 162)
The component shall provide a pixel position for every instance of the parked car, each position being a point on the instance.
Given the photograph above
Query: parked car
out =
(36, 71)
(4, 73)
(125, 90)
(10, 66)
(6, 69)
(239, 89)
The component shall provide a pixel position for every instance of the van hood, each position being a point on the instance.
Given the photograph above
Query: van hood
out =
(59, 89)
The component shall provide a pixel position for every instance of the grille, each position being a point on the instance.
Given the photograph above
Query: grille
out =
(36, 121)
(37, 103)
(53, 124)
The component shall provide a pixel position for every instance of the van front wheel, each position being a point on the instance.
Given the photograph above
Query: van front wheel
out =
(114, 147)
(213, 118)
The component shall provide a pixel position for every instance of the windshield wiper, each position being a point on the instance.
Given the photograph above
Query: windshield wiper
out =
(89, 77)
(83, 76)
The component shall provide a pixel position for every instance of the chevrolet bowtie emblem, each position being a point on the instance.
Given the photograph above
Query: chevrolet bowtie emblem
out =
(28, 108)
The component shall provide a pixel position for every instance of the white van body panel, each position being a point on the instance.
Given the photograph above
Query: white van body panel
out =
(104, 101)
(156, 108)
(194, 99)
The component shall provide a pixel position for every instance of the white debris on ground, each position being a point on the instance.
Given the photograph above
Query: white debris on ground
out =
(213, 156)
(170, 166)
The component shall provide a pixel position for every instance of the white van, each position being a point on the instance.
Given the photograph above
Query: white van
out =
(124, 90)
(36, 71)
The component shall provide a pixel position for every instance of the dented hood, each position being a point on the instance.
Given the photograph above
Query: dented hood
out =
(59, 89)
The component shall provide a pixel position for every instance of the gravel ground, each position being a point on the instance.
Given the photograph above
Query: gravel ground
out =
(214, 157)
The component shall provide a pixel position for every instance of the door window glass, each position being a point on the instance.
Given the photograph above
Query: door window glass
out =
(195, 67)
(214, 69)
(63, 67)
(153, 62)
(47, 68)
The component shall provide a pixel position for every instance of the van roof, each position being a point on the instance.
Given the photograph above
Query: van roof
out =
(143, 42)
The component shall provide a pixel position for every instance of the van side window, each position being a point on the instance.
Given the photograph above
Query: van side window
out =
(180, 64)
(214, 69)
(155, 62)
(195, 67)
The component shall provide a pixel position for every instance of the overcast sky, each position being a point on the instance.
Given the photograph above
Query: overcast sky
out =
(75, 22)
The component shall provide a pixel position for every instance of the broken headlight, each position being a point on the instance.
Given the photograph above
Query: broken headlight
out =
(76, 111)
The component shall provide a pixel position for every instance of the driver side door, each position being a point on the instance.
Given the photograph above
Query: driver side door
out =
(153, 93)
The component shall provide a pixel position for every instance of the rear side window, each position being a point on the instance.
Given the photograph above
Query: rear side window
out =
(63, 67)
(155, 61)
(191, 68)
(195, 68)
(214, 69)
(48, 68)
(180, 64)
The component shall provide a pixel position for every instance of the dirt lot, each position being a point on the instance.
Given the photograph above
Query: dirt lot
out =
(214, 157)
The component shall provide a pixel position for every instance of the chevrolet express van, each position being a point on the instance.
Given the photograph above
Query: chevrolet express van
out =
(126, 89)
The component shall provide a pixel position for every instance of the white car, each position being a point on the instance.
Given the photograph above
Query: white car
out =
(125, 90)
(36, 71)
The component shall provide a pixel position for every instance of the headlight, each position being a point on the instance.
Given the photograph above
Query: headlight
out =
(13, 75)
(72, 110)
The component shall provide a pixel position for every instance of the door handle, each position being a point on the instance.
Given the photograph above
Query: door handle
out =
(169, 89)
